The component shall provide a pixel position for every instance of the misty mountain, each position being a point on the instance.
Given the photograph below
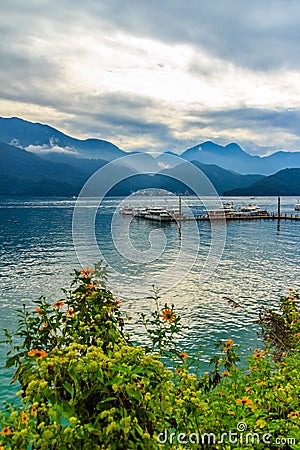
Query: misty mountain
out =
(25, 174)
(41, 139)
(232, 157)
(284, 182)
(219, 177)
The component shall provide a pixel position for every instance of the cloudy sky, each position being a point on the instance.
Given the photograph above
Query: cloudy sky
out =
(155, 75)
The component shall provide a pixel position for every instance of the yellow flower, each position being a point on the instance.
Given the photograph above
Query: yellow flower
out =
(5, 431)
(293, 414)
(232, 413)
(247, 388)
(24, 417)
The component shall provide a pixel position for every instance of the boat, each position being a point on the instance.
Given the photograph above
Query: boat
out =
(297, 206)
(159, 215)
(252, 210)
(127, 210)
(229, 208)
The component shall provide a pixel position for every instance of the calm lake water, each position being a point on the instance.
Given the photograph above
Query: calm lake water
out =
(260, 262)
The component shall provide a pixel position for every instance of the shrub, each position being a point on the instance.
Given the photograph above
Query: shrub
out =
(86, 386)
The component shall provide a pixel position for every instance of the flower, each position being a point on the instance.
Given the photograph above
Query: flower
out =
(231, 413)
(87, 272)
(257, 355)
(168, 315)
(229, 343)
(293, 414)
(247, 388)
(38, 353)
(70, 312)
(178, 371)
(6, 430)
(24, 417)
(38, 310)
(89, 286)
(252, 368)
(117, 302)
(226, 374)
(183, 355)
(58, 304)
(33, 411)
(244, 401)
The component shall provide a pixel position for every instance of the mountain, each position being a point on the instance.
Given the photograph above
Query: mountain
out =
(24, 174)
(219, 177)
(40, 138)
(232, 157)
(284, 182)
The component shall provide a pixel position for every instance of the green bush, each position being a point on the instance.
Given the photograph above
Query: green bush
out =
(86, 386)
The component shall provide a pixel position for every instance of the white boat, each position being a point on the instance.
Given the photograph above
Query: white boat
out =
(297, 206)
(252, 210)
(229, 208)
(127, 210)
(159, 215)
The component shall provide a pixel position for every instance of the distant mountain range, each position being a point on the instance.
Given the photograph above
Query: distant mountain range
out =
(284, 182)
(38, 160)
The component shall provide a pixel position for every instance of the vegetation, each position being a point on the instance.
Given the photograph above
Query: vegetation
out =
(85, 385)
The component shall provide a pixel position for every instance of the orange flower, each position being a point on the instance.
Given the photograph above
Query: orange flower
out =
(293, 414)
(244, 401)
(252, 368)
(38, 353)
(5, 431)
(258, 355)
(168, 315)
(70, 312)
(58, 304)
(33, 411)
(24, 417)
(178, 371)
(117, 302)
(231, 413)
(226, 374)
(183, 355)
(247, 388)
(38, 310)
(89, 286)
(229, 343)
(87, 272)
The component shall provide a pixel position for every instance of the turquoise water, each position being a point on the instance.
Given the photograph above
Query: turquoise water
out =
(260, 261)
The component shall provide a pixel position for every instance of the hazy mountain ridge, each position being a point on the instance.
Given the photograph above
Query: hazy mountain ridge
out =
(233, 157)
(284, 182)
(63, 164)
(28, 135)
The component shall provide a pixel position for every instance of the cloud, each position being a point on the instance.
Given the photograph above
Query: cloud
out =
(155, 76)
(52, 148)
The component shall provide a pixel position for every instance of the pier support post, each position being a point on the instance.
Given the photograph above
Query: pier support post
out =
(278, 207)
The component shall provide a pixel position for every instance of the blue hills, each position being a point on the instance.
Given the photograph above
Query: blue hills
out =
(38, 160)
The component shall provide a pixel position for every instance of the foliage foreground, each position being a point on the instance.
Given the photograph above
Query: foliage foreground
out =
(85, 385)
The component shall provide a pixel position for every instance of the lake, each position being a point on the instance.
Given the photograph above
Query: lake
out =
(259, 262)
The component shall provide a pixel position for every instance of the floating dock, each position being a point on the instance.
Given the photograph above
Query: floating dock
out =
(226, 217)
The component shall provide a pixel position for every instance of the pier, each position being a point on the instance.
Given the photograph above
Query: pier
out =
(227, 217)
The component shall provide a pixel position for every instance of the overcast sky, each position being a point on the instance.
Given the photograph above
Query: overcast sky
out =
(155, 75)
